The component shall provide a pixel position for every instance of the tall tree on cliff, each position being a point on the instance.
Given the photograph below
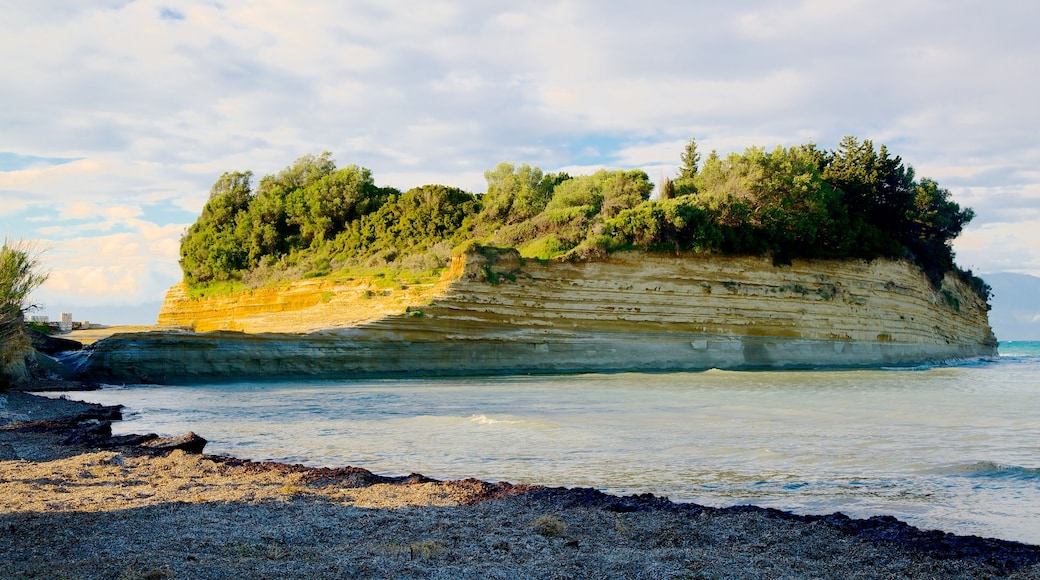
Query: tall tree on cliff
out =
(685, 183)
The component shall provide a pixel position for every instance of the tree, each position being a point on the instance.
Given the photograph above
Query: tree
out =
(686, 182)
(217, 244)
(235, 187)
(305, 171)
(408, 224)
(936, 221)
(20, 274)
(795, 202)
(580, 195)
(712, 174)
(691, 160)
(515, 194)
(327, 204)
(604, 192)
(793, 206)
(624, 190)
(666, 188)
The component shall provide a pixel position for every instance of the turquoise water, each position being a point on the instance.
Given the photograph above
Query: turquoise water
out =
(955, 447)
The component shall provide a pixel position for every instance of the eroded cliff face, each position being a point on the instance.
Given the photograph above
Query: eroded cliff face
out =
(495, 313)
(300, 307)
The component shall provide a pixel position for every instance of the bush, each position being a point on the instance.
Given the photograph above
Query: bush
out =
(20, 274)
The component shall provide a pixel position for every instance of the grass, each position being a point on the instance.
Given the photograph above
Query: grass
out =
(219, 288)
(293, 489)
(41, 328)
(544, 248)
(418, 550)
(384, 277)
(549, 526)
(135, 571)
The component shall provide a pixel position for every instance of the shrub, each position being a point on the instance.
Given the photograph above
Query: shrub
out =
(549, 526)
(20, 274)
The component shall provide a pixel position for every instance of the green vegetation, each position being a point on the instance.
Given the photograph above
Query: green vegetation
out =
(313, 219)
(549, 526)
(20, 274)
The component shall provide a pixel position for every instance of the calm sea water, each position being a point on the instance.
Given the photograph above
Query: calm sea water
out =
(955, 448)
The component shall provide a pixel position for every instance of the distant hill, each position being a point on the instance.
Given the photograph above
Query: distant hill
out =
(1016, 306)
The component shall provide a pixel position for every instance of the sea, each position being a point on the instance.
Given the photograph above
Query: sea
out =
(954, 447)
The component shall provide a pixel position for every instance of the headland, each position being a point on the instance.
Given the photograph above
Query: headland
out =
(493, 312)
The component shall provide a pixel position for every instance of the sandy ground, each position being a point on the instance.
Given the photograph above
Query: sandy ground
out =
(102, 510)
(92, 335)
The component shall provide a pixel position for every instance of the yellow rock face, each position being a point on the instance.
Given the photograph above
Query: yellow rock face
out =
(493, 313)
(300, 307)
(881, 301)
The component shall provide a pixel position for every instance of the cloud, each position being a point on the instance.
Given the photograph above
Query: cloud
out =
(13, 161)
(130, 267)
(148, 102)
(1001, 247)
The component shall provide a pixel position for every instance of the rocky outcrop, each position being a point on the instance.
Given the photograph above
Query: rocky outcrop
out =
(15, 348)
(494, 312)
(52, 344)
(190, 442)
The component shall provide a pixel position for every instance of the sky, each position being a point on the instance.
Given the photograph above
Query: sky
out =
(117, 116)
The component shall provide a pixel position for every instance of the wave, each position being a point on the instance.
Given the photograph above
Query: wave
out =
(944, 364)
(991, 469)
(485, 420)
(1019, 348)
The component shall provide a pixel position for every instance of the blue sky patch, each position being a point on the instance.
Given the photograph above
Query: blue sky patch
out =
(165, 213)
(14, 162)
(40, 221)
(593, 149)
(170, 14)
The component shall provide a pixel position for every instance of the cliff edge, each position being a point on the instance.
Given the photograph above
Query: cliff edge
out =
(493, 312)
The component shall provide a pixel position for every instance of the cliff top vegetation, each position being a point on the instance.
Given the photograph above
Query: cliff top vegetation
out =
(314, 218)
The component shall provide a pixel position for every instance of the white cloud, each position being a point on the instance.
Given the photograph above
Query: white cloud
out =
(1001, 247)
(155, 108)
(78, 210)
(128, 267)
(12, 206)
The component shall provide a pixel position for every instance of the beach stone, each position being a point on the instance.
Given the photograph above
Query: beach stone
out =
(91, 432)
(7, 453)
(189, 443)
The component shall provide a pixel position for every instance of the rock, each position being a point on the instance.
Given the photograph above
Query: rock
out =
(92, 432)
(629, 311)
(189, 443)
(131, 440)
(52, 344)
(7, 453)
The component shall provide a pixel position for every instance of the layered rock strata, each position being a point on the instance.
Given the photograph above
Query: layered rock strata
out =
(494, 312)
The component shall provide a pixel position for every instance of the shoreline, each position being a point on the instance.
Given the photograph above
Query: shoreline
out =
(176, 514)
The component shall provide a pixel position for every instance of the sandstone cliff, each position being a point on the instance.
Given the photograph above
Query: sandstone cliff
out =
(493, 312)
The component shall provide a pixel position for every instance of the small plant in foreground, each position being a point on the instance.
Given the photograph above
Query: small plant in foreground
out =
(549, 526)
